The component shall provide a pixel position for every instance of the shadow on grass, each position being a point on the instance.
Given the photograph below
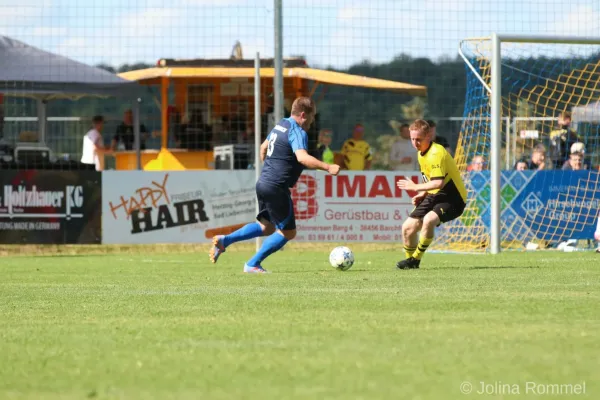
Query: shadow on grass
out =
(41, 255)
(506, 267)
(483, 267)
(328, 271)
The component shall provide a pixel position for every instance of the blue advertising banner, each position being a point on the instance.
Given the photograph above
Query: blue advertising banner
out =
(542, 205)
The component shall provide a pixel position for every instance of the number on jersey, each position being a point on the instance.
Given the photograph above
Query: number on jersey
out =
(271, 144)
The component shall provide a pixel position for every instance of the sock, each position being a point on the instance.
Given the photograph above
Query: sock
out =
(408, 251)
(270, 245)
(422, 247)
(249, 231)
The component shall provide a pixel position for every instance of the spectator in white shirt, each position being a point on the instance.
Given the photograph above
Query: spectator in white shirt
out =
(93, 145)
(403, 156)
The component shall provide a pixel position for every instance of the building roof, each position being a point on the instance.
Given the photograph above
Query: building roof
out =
(317, 75)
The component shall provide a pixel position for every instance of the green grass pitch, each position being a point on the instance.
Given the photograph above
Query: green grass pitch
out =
(174, 326)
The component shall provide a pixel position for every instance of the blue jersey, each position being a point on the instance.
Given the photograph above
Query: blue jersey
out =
(281, 166)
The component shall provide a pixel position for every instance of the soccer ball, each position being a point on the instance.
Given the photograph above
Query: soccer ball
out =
(341, 258)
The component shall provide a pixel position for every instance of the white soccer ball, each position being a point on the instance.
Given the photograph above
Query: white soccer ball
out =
(341, 258)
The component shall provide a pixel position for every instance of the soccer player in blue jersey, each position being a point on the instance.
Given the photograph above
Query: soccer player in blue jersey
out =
(285, 155)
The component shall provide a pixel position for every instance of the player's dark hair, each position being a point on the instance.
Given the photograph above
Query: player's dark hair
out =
(98, 119)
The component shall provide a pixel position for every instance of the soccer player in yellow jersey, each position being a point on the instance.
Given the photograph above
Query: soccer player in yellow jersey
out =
(441, 197)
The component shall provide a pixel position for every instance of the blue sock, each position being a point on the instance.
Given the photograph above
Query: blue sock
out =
(269, 246)
(249, 231)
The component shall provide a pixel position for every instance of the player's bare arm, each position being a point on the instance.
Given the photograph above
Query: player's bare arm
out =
(418, 198)
(420, 187)
(100, 149)
(310, 162)
(263, 150)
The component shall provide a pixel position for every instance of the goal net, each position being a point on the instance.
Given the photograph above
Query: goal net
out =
(542, 84)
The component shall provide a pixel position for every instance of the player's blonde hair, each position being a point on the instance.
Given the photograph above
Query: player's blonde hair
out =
(420, 125)
(303, 104)
(564, 115)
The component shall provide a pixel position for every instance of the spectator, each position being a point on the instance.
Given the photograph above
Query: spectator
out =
(403, 156)
(561, 139)
(195, 134)
(438, 139)
(93, 145)
(574, 163)
(538, 158)
(576, 148)
(478, 164)
(521, 165)
(324, 153)
(356, 151)
(124, 137)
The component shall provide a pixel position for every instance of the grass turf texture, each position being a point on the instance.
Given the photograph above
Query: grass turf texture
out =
(133, 324)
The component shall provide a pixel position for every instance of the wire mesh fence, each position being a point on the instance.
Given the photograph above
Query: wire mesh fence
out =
(193, 61)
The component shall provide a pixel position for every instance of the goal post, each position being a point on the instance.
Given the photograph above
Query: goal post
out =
(543, 88)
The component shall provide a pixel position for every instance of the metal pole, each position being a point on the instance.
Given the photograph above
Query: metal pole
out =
(508, 144)
(515, 137)
(472, 68)
(136, 133)
(257, 126)
(548, 39)
(495, 145)
(278, 80)
(42, 120)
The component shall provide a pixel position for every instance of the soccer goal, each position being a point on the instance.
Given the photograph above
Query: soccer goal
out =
(518, 87)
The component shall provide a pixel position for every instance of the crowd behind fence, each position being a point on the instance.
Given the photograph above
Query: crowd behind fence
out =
(64, 139)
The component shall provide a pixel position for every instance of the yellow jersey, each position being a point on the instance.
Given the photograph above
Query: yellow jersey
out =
(356, 153)
(437, 163)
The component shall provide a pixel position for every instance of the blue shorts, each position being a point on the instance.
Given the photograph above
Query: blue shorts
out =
(275, 205)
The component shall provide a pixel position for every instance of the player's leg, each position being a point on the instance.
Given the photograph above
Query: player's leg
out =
(281, 210)
(410, 231)
(271, 244)
(410, 235)
(261, 227)
(442, 212)
(431, 220)
(252, 230)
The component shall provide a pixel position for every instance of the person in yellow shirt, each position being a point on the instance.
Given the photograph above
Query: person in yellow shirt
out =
(441, 197)
(323, 150)
(356, 151)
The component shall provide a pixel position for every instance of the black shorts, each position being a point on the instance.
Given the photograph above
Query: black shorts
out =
(275, 205)
(445, 209)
